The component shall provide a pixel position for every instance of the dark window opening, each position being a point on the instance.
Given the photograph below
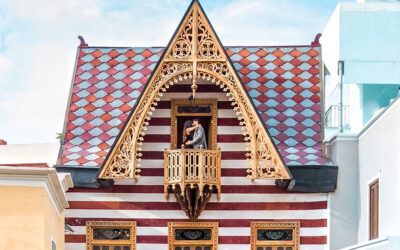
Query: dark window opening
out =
(205, 122)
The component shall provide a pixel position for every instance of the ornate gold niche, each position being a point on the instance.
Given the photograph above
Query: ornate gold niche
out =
(194, 53)
(193, 174)
(212, 103)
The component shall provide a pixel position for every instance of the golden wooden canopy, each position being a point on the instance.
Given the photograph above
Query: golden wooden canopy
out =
(194, 52)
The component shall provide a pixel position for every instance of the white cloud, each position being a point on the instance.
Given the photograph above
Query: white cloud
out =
(35, 112)
(38, 46)
(5, 66)
(42, 45)
(267, 22)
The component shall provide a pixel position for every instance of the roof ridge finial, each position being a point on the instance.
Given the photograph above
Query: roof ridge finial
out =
(316, 40)
(83, 44)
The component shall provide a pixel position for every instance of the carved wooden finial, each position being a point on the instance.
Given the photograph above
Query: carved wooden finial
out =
(83, 44)
(316, 40)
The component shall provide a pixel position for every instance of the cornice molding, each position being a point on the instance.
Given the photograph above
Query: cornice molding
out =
(39, 177)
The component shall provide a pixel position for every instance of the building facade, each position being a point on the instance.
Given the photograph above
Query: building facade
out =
(261, 183)
(361, 38)
(33, 205)
(361, 58)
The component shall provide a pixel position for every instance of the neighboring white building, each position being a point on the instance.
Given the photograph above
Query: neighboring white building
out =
(29, 153)
(370, 157)
(364, 37)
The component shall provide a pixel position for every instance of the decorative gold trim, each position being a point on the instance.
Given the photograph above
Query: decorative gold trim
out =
(295, 225)
(90, 225)
(189, 225)
(123, 160)
(212, 141)
(188, 170)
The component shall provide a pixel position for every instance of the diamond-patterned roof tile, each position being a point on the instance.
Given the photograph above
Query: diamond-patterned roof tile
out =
(283, 83)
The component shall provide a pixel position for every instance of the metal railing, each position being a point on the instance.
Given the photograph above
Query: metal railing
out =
(332, 116)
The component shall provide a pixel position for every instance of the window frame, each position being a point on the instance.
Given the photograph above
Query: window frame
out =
(90, 225)
(294, 225)
(175, 103)
(373, 204)
(193, 225)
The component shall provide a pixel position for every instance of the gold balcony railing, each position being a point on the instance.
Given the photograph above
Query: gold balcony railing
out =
(193, 168)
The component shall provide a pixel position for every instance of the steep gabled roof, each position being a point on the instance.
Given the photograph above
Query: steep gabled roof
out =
(283, 82)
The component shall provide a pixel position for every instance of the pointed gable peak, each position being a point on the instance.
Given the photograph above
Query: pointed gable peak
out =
(194, 24)
(194, 52)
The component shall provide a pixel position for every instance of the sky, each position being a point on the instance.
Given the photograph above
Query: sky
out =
(38, 44)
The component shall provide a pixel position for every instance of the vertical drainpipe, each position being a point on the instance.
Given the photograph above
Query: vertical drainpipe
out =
(340, 73)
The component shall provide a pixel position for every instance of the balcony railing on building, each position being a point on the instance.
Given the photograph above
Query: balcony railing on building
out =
(192, 175)
(332, 117)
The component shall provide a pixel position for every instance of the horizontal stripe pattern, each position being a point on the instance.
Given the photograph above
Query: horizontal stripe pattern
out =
(206, 214)
(142, 246)
(154, 197)
(158, 239)
(160, 222)
(242, 200)
(222, 231)
(225, 206)
(225, 189)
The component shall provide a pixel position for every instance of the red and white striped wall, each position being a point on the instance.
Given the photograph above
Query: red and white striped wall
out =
(242, 201)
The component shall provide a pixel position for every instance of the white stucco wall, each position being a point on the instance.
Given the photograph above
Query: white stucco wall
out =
(330, 56)
(343, 203)
(379, 156)
(365, 36)
(29, 153)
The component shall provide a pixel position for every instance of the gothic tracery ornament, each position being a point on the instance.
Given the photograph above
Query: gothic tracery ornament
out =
(186, 58)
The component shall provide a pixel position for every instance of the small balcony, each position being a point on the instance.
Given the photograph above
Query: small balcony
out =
(193, 175)
(332, 116)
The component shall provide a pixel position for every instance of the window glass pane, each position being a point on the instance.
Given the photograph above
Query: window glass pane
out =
(193, 234)
(274, 234)
(111, 233)
(194, 109)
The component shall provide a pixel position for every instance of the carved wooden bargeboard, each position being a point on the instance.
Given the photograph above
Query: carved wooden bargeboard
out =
(211, 203)
(195, 53)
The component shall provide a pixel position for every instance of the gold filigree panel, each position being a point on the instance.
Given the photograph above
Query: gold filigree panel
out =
(212, 242)
(278, 242)
(124, 160)
(207, 44)
(182, 48)
(207, 61)
(175, 103)
(110, 233)
(265, 161)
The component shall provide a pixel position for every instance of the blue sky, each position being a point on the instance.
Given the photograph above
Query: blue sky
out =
(38, 41)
